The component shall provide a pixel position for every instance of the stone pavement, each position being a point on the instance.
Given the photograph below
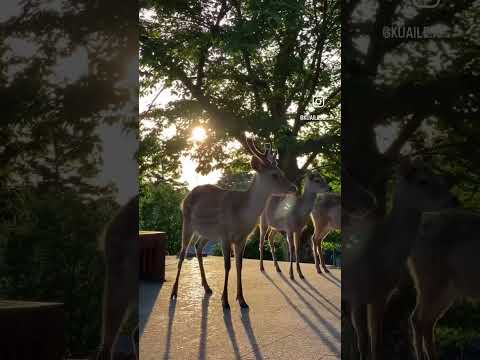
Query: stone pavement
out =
(287, 319)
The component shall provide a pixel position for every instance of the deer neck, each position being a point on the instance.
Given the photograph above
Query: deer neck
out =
(306, 201)
(256, 196)
(402, 226)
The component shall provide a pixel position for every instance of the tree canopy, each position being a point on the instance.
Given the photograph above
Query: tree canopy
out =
(244, 66)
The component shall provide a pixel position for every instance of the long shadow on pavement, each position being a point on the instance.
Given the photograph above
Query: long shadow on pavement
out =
(202, 351)
(334, 347)
(250, 334)
(171, 316)
(330, 277)
(312, 288)
(227, 318)
(327, 324)
(149, 294)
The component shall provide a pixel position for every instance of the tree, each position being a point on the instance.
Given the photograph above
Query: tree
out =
(238, 66)
(64, 72)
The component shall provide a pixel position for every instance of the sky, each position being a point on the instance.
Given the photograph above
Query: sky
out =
(188, 173)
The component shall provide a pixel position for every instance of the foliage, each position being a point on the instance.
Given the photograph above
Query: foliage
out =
(459, 327)
(160, 210)
(57, 231)
(244, 66)
(65, 72)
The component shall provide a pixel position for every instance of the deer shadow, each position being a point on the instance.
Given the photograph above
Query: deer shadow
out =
(202, 350)
(312, 288)
(245, 317)
(333, 346)
(227, 318)
(171, 316)
(149, 292)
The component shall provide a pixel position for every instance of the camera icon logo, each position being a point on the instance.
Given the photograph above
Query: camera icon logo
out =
(426, 4)
(318, 101)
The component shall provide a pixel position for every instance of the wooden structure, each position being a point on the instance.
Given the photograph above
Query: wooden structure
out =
(153, 249)
(31, 330)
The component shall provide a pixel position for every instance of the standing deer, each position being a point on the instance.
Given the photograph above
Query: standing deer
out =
(444, 266)
(326, 216)
(212, 213)
(374, 269)
(121, 253)
(289, 213)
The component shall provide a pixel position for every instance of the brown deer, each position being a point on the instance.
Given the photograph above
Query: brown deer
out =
(444, 266)
(289, 213)
(227, 216)
(326, 216)
(374, 266)
(121, 254)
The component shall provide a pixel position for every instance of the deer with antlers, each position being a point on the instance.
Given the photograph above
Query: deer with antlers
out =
(368, 285)
(227, 216)
(444, 266)
(289, 213)
(326, 216)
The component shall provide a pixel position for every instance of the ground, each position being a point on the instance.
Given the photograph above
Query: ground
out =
(287, 319)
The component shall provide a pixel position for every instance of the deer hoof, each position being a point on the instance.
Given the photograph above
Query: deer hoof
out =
(173, 295)
(208, 291)
(278, 270)
(326, 270)
(262, 269)
(226, 305)
(292, 277)
(301, 276)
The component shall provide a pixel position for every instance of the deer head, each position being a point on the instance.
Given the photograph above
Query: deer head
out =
(315, 183)
(420, 188)
(265, 165)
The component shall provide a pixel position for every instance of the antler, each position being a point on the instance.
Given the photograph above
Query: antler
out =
(270, 154)
(267, 156)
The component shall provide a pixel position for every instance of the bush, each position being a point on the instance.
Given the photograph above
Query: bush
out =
(160, 210)
(52, 256)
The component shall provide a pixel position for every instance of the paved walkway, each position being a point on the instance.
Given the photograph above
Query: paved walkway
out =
(298, 320)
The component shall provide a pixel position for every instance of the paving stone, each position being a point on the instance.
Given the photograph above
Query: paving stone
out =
(287, 319)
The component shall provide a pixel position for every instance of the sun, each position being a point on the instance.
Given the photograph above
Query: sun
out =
(199, 134)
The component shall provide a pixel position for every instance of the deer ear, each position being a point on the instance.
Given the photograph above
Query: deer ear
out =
(257, 164)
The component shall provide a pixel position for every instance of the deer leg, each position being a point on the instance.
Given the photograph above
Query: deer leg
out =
(417, 330)
(296, 240)
(186, 238)
(315, 254)
(431, 308)
(321, 254)
(263, 235)
(375, 312)
(272, 249)
(198, 250)
(359, 323)
(239, 248)
(290, 253)
(226, 248)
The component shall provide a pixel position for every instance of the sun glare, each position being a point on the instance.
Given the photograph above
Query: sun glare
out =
(199, 134)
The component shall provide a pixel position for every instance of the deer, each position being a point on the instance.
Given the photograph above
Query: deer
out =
(289, 213)
(326, 216)
(368, 285)
(212, 213)
(444, 267)
(121, 254)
